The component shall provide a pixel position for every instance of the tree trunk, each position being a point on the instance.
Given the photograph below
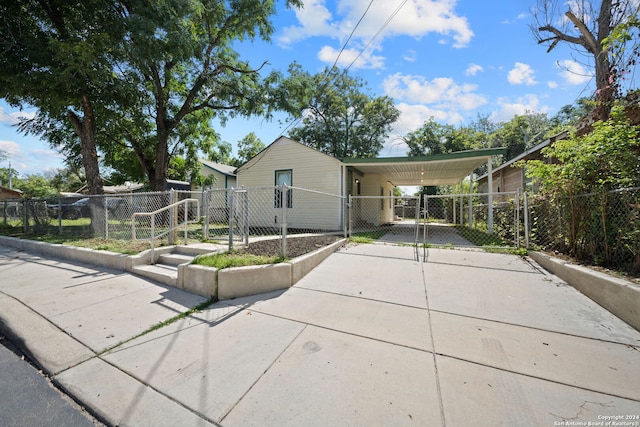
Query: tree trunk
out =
(85, 128)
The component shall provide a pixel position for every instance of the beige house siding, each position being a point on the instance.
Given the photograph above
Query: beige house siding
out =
(374, 211)
(310, 169)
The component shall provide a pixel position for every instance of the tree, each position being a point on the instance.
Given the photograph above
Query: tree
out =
(56, 57)
(183, 71)
(342, 121)
(603, 160)
(520, 133)
(585, 26)
(248, 147)
(434, 138)
(68, 179)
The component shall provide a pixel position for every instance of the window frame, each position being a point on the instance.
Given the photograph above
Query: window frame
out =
(277, 195)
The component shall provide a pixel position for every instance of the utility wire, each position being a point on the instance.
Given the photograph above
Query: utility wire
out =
(387, 22)
(322, 85)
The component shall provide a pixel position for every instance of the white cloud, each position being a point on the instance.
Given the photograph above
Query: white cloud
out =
(416, 19)
(410, 56)
(522, 105)
(412, 116)
(11, 148)
(443, 92)
(521, 74)
(15, 117)
(573, 72)
(473, 69)
(314, 20)
(367, 60)
(552, 84)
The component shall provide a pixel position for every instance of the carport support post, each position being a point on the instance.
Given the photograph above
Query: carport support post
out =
(490, 202)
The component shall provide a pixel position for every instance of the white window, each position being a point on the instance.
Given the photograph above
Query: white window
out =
(283, 177)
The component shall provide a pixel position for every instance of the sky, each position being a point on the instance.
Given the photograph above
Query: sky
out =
(446, 59)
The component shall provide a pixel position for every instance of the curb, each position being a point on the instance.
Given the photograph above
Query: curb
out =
(618, 296)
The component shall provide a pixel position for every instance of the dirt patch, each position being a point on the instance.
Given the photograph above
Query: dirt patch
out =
(296, 246)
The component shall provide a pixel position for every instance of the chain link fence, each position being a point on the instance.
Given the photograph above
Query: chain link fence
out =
(392, 219)
(465, 220)
(597, 229)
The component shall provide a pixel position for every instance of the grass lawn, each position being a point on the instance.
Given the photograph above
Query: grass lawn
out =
(235, 259)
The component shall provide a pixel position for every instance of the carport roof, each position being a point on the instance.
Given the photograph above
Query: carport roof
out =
(437, 169)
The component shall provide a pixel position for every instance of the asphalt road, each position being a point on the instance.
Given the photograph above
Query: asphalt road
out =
(29, 398)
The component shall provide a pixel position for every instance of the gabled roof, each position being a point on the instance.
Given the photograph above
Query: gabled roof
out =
(545, 143)
(219, 167)
(279, 140)
(11, 190)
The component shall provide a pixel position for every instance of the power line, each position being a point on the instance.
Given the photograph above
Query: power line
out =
(387, 22)
(323, 83)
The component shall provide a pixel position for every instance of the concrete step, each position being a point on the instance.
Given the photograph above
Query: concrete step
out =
(175, 259)
(198, 249)
(167, 274)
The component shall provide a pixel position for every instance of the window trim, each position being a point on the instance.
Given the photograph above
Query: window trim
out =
(277, 195)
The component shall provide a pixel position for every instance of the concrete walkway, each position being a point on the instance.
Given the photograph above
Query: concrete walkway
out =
(369, 337)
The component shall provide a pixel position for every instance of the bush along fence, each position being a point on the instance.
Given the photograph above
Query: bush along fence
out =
(599, 229)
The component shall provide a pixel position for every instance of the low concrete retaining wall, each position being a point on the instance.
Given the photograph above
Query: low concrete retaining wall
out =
(620, 297)
(88, 256)
(254, 279)
(244, 281)
(198, 279)
(302, 265)
(206, 281)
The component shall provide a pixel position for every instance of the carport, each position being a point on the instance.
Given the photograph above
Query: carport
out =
(432, 170)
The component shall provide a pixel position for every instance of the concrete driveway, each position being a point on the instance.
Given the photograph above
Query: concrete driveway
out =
(369, 337)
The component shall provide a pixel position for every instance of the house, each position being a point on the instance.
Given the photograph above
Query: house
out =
(126, 188)
(288, 162)
(223, 176)
(507, 178)
(8, 193)
(328, 182)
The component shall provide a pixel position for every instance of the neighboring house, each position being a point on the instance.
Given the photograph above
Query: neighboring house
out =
(126, 188)
(8, 193)
(224, 176)
(508, 179)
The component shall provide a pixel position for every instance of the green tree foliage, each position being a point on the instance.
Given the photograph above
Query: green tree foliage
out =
(56, 56)
(222, 153)
(605, 159)
(520, 133)
(435, 138)
(342, 121)
(68, 180)
(32, 186)
(601, 228)
(183, 71)
(248, 147)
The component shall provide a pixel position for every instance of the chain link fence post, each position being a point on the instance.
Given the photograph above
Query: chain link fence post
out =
(232, 213)
(283, 221)
(526, 219)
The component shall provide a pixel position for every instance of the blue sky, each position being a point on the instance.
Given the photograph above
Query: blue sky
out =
(446, 59)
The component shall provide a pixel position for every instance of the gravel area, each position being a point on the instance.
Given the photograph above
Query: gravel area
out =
(296, 246)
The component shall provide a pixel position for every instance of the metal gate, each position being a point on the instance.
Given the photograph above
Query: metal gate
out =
(386, 219)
